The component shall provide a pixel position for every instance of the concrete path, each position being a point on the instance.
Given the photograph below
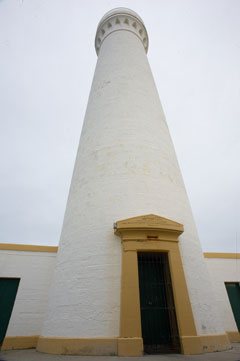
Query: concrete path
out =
(32, 355)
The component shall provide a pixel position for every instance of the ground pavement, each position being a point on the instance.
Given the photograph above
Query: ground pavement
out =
(32, 355)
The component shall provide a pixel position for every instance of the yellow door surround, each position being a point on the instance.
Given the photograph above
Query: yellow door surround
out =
(157, 234)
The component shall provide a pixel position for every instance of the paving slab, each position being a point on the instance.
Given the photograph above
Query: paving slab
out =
(33, 355)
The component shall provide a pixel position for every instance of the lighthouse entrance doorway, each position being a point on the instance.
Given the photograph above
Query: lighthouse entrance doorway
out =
(158, 316)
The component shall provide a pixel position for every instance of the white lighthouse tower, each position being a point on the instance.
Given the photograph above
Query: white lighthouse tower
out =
(130, 274)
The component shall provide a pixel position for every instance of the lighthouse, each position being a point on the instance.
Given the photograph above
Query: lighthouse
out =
(130, 276)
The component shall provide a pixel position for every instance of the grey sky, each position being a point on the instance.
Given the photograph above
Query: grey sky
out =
(47, 61)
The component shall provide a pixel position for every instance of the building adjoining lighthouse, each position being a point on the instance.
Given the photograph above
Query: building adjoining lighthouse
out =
(129, 275)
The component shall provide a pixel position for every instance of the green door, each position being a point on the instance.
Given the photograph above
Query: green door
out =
(158, 318)
(8, 291)
(233, 290)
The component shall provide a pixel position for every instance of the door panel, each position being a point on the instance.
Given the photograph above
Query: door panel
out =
(8, 291)
(233, 290)
(158, 317)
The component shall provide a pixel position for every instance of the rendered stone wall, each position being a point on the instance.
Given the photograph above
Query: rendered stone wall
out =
(126, 166)
(223, 270)
(35, 270)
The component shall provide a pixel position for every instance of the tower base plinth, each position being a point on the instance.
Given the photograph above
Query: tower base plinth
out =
(191, 345)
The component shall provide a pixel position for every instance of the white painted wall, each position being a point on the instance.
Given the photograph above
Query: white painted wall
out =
(224, 270)
(35, 270)
(126, 166)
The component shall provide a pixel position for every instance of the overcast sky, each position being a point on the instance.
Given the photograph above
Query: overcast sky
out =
(47, 61)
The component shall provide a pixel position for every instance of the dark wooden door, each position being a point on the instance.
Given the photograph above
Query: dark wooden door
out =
(233, 290)
(8, 291)
(158, 318)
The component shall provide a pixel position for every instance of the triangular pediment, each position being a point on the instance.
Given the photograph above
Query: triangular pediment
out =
(150, 221)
